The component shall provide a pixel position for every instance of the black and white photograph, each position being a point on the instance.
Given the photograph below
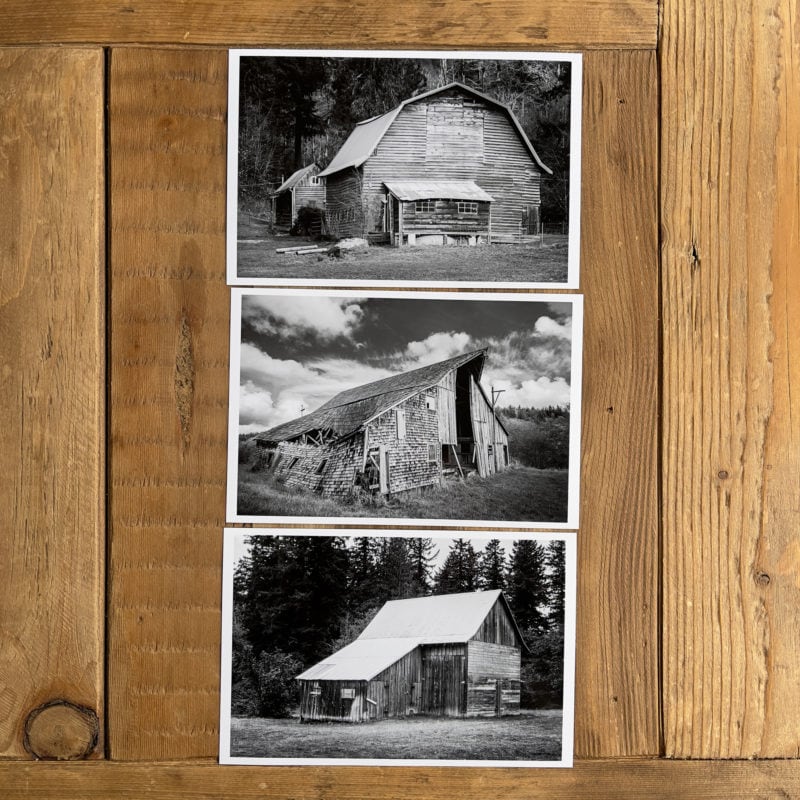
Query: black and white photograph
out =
(372, 647)
(375, 168)
(404, 407)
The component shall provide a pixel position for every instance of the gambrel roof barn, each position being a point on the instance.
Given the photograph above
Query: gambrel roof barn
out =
(444, 655)
(405, 431)
(450, 164)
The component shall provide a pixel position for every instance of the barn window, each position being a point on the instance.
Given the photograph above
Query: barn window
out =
(490, 450)
(432, 454)
(505, 455)
(292, 463)
(467, 207)
(424, 206)
(316, 689)
(348, 694)
(321, 467)
(430, 402)
(400, 413)
(315, 180)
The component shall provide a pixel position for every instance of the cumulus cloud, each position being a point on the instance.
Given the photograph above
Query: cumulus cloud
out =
(325, 317)
(533, 393)
(547, 326)
(436, 347)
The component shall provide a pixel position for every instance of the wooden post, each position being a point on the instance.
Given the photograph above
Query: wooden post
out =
(399, 222)
(489, 232)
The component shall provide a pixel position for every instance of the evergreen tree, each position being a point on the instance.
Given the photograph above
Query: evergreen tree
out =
(527, 585)
(555, 559)
(422, 552)
(492, 566)
(459, 573)
(393, 570)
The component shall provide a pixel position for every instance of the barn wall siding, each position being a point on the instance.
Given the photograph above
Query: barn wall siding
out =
(337, 480)
(402, 685)
(343, 209)
(497, 628)
(486, 432)
(502, 166)
(323, 701)
(444, 680)
(409, 467)
(446, 408)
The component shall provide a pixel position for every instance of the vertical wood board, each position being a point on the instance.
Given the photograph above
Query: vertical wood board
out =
(52, 359)
(617, 682)
(169, 392)
(731, 309)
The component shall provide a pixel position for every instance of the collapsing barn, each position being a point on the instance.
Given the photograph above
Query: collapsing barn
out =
(403, 432)
(450, 165)
(455, 655)
(302, 188)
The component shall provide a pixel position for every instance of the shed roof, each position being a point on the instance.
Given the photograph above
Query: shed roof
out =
(367, 135)
(360, 660)
(347, 411)
(443, 190)
(294, 179)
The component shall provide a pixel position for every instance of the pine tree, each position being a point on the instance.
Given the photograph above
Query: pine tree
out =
(422, 552)
(527, 585)
(393, 570)
(459, 573)
(492, 566)
(555, 559)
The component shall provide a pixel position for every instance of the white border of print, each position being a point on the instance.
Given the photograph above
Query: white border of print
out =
(568, 704)
(573, 478)
(576, 106)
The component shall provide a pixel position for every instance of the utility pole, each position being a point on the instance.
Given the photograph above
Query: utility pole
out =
(495, 394)
(302, 409)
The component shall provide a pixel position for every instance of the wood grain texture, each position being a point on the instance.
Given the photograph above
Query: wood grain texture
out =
(617, 685)
(169, 388)
(655, 779)
(731, 308)
(52, 354)
(547, 24)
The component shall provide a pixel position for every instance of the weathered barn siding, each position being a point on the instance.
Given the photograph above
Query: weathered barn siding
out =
(343, 204)
(497, 160)
(496, 628)
(408, 457)
(446, 408)
(445, 218)
(322, 700)
(444, 680)
(342, 460)
(402, 686)
(491, 441)
(308, 193)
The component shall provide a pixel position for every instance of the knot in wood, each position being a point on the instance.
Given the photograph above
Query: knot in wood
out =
(722, 474)
(61, 731)
(762, 579)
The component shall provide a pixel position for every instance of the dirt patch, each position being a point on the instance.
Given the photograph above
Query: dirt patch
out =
(531, 736)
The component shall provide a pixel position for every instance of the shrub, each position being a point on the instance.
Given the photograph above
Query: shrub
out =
(277, 689)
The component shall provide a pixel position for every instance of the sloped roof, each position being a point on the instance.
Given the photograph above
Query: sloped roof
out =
(442, 618)
(294, 179)
(367, 135)
(360, 660)
(445, 190)
(347, 411)
(402, 625)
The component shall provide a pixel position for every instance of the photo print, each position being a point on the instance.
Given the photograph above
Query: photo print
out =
(376, 647)
(404, 408)
(399, 168)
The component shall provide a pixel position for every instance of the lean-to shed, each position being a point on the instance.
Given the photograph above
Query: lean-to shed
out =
(402, 432)
(455, 655)
(302, 188)
(449, 165)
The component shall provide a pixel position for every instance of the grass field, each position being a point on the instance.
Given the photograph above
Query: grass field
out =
(531, 736)
(544, 262)
(518, 494)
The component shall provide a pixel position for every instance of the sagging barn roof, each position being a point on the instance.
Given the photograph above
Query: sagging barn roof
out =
(347, 411)
(438, 190)
(402, 625)
(294, 179)
(367, 135)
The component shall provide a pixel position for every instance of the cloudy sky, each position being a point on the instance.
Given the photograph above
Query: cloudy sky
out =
(299, 351)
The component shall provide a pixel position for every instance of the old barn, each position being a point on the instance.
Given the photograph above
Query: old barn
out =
(302, 188)
(455, 655)
(403, 432)
(451, 165)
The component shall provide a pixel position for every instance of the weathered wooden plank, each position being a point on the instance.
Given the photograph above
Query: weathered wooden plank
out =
(589, 780)
(617, 683)
(52, 354)
(169, 358)
(548, 24)
(731, 308)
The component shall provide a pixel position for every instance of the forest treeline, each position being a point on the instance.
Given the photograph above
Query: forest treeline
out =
(294, 111)
(538, 437)
(297, 599)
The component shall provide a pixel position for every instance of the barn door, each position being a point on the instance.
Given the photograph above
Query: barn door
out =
(530, 220)
(376, 699)
(377, 469)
